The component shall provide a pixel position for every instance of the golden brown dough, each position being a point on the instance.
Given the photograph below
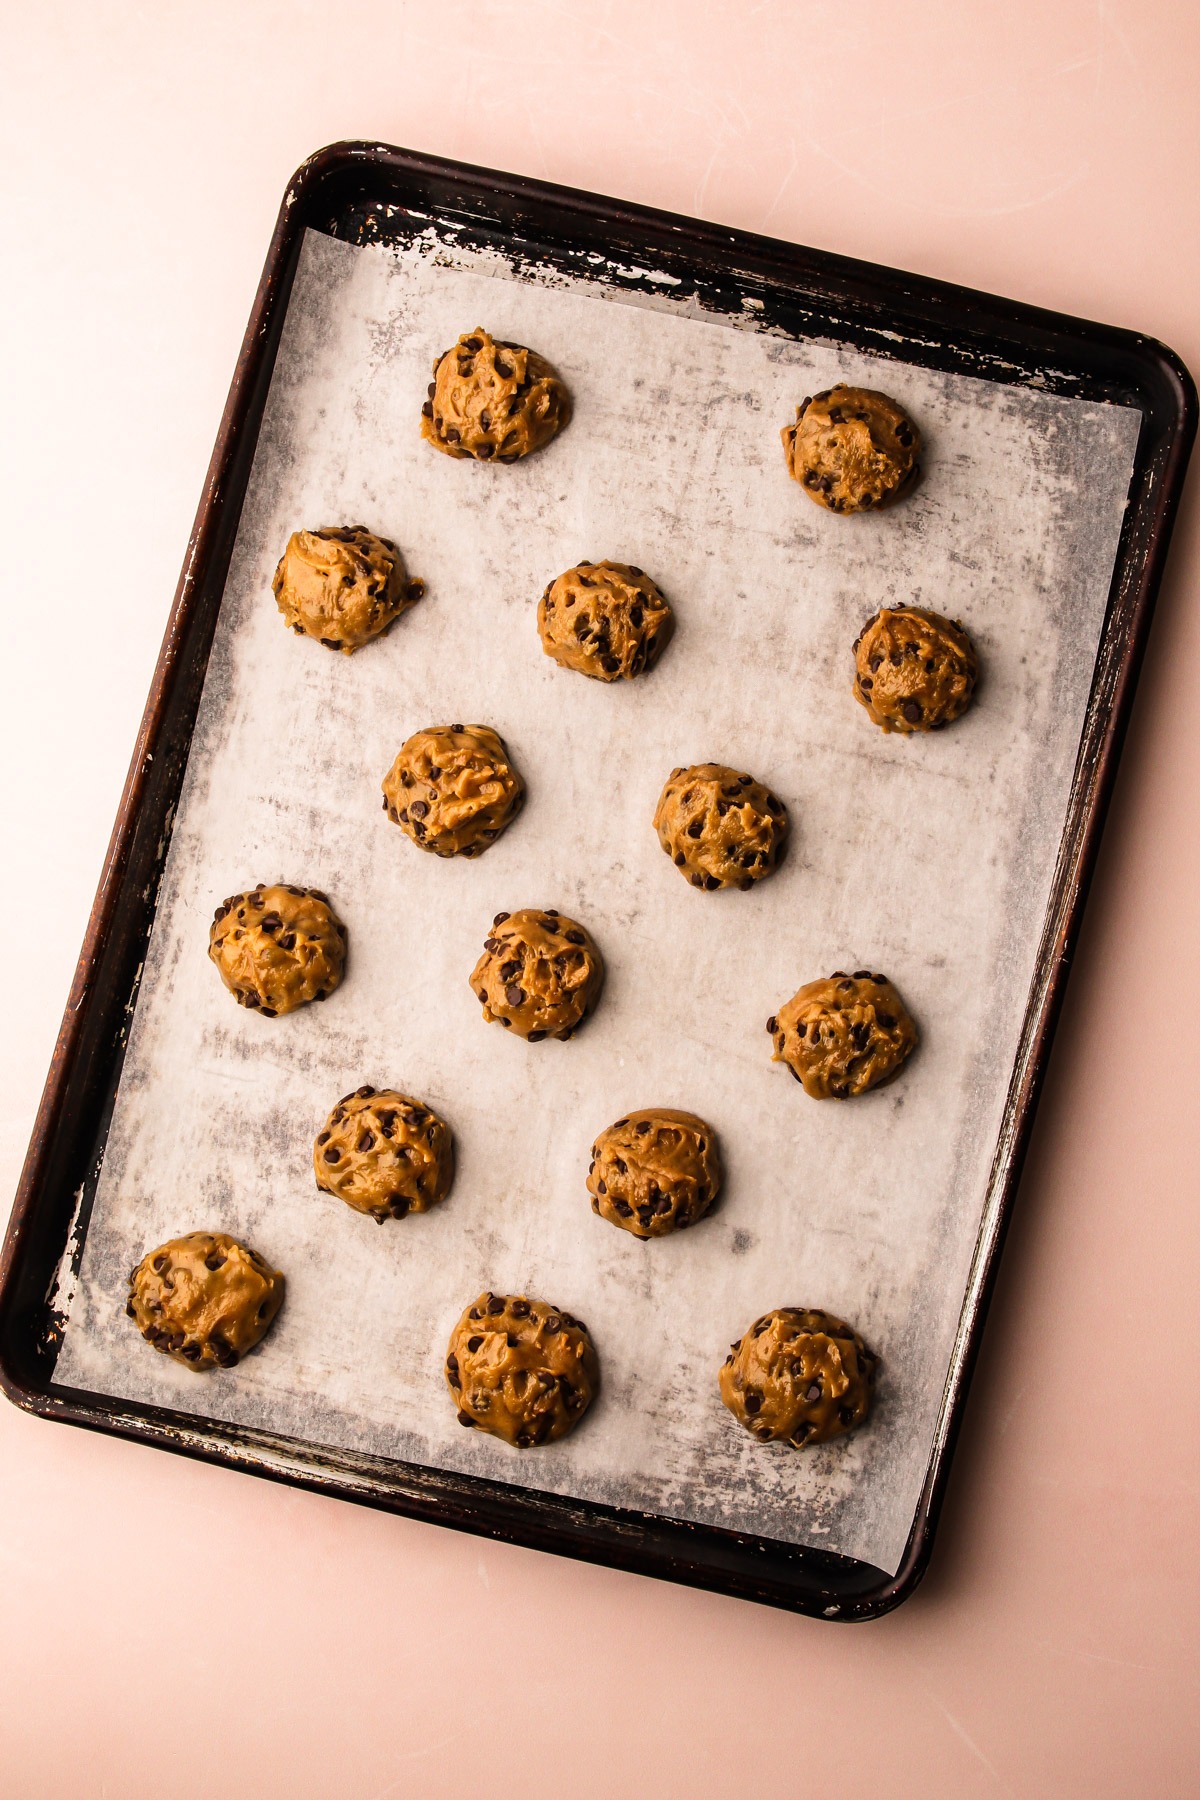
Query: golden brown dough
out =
(489, 398)
(655, 1171)
(719, 828)
(844, 1034)
(384, 1154)
(521, 1370)
(800, 1375)
(540, 974)
(342, 585)
(204, 1299)
(452, 789)
(605, 619)
(277, 947)
(914, 670)
(852, 448)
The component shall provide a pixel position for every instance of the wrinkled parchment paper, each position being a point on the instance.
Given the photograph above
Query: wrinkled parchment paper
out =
(929, 858)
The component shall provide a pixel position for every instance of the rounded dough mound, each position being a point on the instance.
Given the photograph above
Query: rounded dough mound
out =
(719, 828)
(540, 974)
(491, 399)
(851, 449)
(914, 670)
(655, 1171)
(277, 947)
(384, 1154)
(342, 585)
(605, 619)
(799, 1375)
(204, 1299)
(844, 1034)
(521, 1370)
(452, 789)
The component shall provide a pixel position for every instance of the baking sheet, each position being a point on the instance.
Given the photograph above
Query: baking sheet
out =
(930, 858)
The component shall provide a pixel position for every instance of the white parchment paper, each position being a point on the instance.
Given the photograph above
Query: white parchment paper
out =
(927, 857)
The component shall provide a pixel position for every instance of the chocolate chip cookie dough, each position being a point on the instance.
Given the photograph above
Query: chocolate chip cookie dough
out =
(521, 1370)
(489, 398)
(844, 1034)
(606, 619)
(851, 449)
(452, 789)
(800, 1376)
(384, 1154)
(540, 974)
(277, 947)
(914, 670)
(204, 1299)
(342, 585)
(719, 828)
(655, 1171)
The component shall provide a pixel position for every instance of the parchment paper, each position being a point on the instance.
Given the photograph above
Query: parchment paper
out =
(927, 857)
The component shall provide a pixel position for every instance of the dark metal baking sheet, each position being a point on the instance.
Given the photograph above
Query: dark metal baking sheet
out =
(367, 195)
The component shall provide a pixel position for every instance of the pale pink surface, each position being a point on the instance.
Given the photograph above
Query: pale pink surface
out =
(191, 1631)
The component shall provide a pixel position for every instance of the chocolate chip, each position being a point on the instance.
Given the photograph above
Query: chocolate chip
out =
(333, 1154)
(575, 937)
(495, 1304)
(427, 410)
(159, 1264)
(514, 994)
(772, 1023)
(464, 1418)
(519, 1309)
(885, 1020)
(500, 918)
(214, 1260)
(752, 1401)
(473, 1343)
(912, 711)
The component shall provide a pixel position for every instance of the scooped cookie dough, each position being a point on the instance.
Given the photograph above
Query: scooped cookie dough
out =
(719, 828)
(851, 449)
(489, 398)
(384, 1154)
(342, 585)
(277, 947)
(799, 1375)
(655, 1171)
(540, 974)
(452, 789)
(914, 670)
(521, 1370)
(204, 1299)
(844, 1034)
(605, 619)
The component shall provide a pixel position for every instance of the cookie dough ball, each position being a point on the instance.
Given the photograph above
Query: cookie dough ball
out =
(489, 398)
(277, 947)
(384, 1154)
(844, 1034)
(851, 449)
(719, 828)
(452, 789)
(521, 1370)
(914, 670)
(605, 619)
(540, 974)
(342, 585)
(655, 1171)
(204, 1299)
(799, 1375)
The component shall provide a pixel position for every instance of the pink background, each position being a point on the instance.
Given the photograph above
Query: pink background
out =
(160, 1621)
